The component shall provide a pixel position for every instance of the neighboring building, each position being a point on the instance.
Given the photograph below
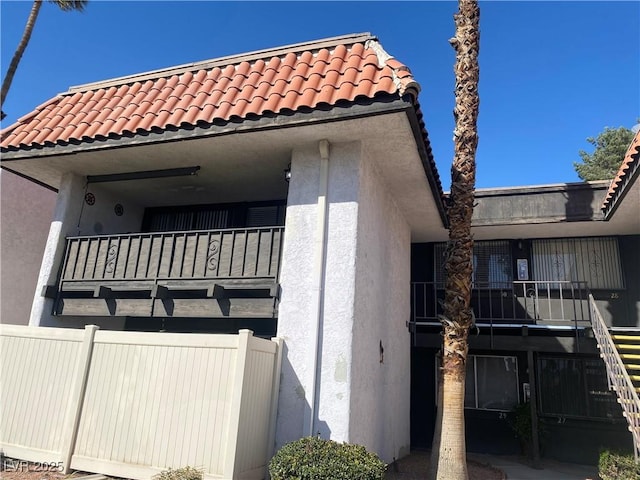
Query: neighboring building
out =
(173, 214)
(26, 210)
(539, 252)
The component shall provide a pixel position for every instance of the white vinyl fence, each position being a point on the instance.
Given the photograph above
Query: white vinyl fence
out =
(132, 404)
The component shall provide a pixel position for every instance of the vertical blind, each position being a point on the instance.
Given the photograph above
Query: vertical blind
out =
(592, 260)
(210, 217)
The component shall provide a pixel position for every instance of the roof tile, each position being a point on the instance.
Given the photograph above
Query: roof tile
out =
(631, 159)
(289, 79)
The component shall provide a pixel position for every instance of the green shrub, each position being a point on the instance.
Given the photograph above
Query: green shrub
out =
(618, 466)
(184, 473)
(519, 419)
(313, 458)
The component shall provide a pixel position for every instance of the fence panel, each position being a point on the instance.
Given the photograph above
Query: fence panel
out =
(253, 432)
(131, 404)
(39, 368)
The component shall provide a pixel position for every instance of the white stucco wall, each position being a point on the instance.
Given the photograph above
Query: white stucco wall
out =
(365, 299)
(297, 316)
(380, 386)
(26, 209)
(101, 219)
(72, 216)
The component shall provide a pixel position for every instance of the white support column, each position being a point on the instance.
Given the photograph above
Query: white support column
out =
(317, 299)
(64, 223)
(362, 369)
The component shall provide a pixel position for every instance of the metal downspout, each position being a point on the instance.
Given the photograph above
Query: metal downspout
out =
(318, 276)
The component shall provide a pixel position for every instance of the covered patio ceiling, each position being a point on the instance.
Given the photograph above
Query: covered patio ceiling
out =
(249, 166)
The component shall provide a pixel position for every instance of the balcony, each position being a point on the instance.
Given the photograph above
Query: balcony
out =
(206, 273)
(548, 303)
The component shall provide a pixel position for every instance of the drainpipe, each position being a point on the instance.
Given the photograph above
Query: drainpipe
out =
(318, 276)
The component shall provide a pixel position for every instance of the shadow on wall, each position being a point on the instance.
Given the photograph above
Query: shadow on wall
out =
(623, 307)
(293, 408)
(581, 204)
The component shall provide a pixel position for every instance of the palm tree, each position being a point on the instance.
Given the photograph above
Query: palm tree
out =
(64, 5)
(448, 457)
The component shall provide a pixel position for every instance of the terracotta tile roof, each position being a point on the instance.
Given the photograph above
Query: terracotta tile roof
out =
(289, 79)
(631, 161)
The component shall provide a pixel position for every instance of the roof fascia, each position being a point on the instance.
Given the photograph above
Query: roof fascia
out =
(537, 189)
(428, 163)
(621, 193)
(379, 106)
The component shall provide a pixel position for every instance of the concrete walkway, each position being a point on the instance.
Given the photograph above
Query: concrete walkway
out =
(551, 469)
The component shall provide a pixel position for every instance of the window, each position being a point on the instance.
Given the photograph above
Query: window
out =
(592, 260)
(492, 264)
(210, 217)
(491, 382)
(575, 387)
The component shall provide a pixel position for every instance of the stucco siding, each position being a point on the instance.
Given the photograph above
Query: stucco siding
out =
(337, 354)
(101, 218)
(295, 309)
(364, 301)
(26, 215)
(380, 386)
(302, 286)
(73, 216)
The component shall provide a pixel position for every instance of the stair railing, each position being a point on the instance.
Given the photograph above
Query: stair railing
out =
(617, 375)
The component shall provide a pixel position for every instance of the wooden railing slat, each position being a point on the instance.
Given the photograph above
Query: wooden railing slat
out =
(221, 253)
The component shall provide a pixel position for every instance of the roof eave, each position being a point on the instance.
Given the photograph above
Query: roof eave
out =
(387, 103)
(631, 176)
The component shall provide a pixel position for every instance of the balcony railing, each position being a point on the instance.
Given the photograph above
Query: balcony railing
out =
(237, 254)
(523, 302)
(230, 273)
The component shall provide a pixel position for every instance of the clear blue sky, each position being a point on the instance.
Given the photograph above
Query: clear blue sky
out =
(552, 73)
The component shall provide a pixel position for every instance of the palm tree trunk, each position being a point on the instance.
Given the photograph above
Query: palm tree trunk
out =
(437, 433)
(458, 317)
(24, 41)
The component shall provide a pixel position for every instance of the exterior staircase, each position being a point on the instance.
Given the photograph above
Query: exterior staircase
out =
(621, 355)
(628, 346)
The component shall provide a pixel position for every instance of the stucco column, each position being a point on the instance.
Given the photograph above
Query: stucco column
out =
(66, 215)
(363, 344)
(299, 308)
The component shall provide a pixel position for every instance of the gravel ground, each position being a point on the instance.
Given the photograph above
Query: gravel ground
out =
(415, 466)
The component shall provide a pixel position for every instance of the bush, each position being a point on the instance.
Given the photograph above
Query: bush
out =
(617, 466)
(184, 473)
(313, 458)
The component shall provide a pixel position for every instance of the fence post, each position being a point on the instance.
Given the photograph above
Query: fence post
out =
(239, 377)
(78, 388)
(275, 392)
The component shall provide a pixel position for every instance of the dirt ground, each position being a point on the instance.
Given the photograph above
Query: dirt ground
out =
(25, 474)
(409, 468)
(415, 466)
